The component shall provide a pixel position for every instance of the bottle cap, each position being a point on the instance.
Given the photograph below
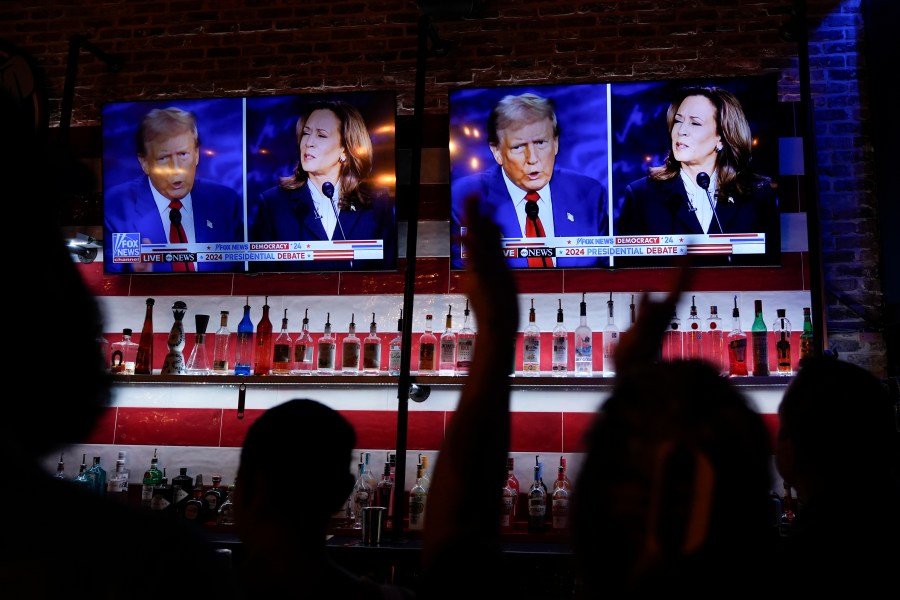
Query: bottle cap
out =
(780, 312)
(128, 331)
(201, 321)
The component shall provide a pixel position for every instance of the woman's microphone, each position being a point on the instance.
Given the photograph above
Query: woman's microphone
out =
(703, 181)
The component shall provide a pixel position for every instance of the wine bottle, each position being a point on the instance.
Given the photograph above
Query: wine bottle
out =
(760, 337)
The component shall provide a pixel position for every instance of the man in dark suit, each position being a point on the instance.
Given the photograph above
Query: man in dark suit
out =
(151, 207)
(523, 134)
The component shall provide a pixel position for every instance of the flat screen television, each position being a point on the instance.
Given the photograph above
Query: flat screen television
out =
(241, 214)
(589, 174)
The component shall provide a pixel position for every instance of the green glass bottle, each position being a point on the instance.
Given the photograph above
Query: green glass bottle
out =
(806, 337)
(759, 336)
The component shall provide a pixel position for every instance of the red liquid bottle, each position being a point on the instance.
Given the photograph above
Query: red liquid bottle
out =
(263, 364)
(143, 364)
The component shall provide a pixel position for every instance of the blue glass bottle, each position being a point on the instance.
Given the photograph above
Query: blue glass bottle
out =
(97, 475)
(243, 359)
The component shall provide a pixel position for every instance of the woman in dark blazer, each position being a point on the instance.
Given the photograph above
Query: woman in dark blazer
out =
(706, 185)
(327, 197)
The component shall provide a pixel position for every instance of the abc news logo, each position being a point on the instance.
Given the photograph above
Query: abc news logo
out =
(529, 252)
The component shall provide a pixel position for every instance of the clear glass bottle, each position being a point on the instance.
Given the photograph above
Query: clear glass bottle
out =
(584, 358)
(327, 349)
(83, 479)
(786, 521)
(362, 495)
(60, 468)
(465, 344)
(226, 511)
(531, 346)
(427, 345)
(673, 340)
(124, 355)
(559, 365)
(221, 342)
(143, 364)
(507, 507)
(737, 345)
(715, 336)
(447, 356)
(759, 335)
(559, 501)
(806, 337)
(198, 361)
(371, 355)
(610, 339)
(350, 350)
(304, 364)
(513, 482)
(385, 488)
(693, 334)
(417, 499)
(117, 482)
(395, 349)
(784, 365)
(537, 503)
(426, 479)
(282, 350)
(262, 364)
(243, 359)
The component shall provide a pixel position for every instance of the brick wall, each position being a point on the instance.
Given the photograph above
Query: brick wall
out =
(190, 49)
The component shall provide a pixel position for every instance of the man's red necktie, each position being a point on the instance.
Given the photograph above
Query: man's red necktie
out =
(177, 234)
(533, 227)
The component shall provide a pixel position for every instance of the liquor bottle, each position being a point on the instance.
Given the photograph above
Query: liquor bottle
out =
(610, 339)
(447, 356)
(162, 499)
(243, 358)
(693, 334)
(220, 345)
(417, 500)
(537, 503)
(117, 482)
(143, 364)
(263, 356)
(385, 488)
(350, 350)
(584, 360)
(760, 337)
(182, 489)
(369, 472)
(195, 509)
(97, 475)
(327, 349)
(513, 482)
(60, 468)
(782, 330)
(214, 496)
(226, 511)
(426, 480)
(559, 501)
(786, 521)
(508, 498)
(465, 345)
(198, 361)
(173, 364)
(372, 350)
(83, 479)
(427, 344)
(715, 336)
(531, 346)
(282, 348)
(737, 345)
(362, 495)
(806, 338)
(559, 365)
(303, 349)
(395, 349)
(152, 477)
(673, 340)
(124, 355)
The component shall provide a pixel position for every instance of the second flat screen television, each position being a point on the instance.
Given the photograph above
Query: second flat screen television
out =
(302, 182)
(603, 175)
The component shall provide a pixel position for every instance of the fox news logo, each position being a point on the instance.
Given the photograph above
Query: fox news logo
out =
(126, 247)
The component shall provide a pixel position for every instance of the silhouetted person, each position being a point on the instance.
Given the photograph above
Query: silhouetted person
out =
(839, 447)
(673, 493)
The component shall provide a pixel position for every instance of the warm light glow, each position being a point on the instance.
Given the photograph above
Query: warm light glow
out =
(452, 147)
(388, 180)
(384, 129)
(755, 142)
(263, 150)
(474, 163)
(648, 158)
(209, 152)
